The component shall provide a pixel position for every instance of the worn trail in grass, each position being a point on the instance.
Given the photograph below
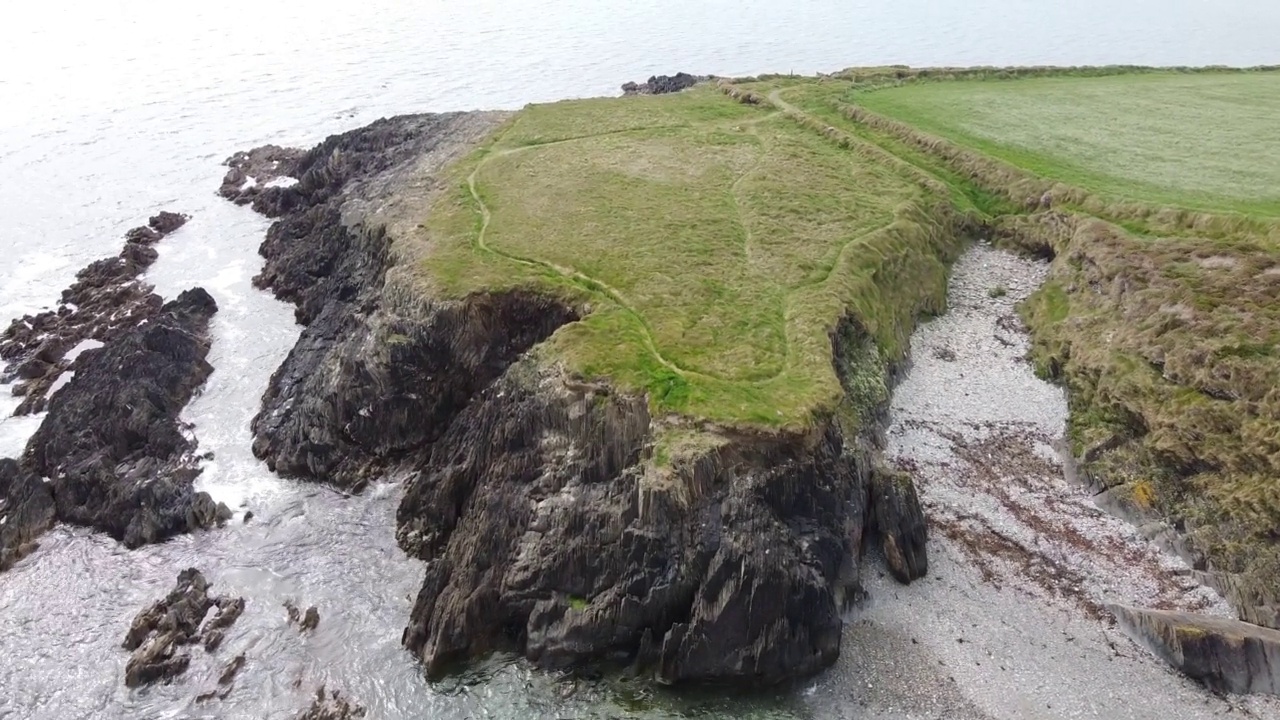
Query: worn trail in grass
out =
(717, 245)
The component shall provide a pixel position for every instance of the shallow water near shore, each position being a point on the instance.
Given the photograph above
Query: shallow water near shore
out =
(111, 112)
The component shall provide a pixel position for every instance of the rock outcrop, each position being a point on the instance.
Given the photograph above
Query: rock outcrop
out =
(159, 633)
(662, 84)
(1226, 655)
(111, 444)
(545, 524)
(544, 531)
(331, 706)
(106, 300)
(26, 511)
(899, 522)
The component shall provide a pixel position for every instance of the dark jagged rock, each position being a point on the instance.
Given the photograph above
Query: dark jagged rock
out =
(26, 511)
(158, 633)
(899, 521)
(369, 381)
(542, 531)
(111, 443)
(331, 706)
(251, 171)
(1226, 655)
(106, 299)
(662, 84)
(305, 621)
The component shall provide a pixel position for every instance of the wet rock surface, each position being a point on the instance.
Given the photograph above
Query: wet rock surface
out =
(26, 511)
(252, 173)
(1226, 655)
(662, 84)
(106, 299)
(159, 633)
(112, 446)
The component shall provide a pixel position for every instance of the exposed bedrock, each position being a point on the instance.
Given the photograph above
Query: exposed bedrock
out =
(545, 524)
(376, 374)
(662, 84)
(188, 615)
(545, 531)
(111, 444)
(26, 511)
(106, 299)
(1226, 655)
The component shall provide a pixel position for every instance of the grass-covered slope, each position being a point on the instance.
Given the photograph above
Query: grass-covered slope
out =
(1157, 193)
(1206, 141)
(715, 246)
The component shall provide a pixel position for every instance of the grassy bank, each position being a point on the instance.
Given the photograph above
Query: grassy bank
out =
(1156, 193)
(715, 244)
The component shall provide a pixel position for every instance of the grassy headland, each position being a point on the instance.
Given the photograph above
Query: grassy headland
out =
(716, 246)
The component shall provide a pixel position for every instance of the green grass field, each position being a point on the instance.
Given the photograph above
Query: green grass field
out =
(1200, 141)
(716, 243)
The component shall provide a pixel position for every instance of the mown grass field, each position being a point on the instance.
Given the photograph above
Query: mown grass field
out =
(717, 245)
(1201, 141)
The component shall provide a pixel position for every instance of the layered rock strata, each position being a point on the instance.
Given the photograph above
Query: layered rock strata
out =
(188, 615)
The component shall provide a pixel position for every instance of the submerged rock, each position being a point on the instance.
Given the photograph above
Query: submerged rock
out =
(331, 706)
(106, 300)
(1226, 655)
(112, 446)
(158, 633)
(26, 511)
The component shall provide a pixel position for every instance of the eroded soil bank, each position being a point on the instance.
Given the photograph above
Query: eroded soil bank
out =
(1010, 623)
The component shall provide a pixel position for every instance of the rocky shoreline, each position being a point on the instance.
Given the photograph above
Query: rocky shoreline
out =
(110, 452)
(528, 496)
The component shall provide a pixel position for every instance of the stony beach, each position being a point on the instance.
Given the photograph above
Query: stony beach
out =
(1011, 621)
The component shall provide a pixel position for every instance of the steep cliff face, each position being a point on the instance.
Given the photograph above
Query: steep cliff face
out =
(374, 376)
(545, 530)
(546, 525)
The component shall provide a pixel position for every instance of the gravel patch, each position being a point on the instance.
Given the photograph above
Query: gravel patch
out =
(1010, 623)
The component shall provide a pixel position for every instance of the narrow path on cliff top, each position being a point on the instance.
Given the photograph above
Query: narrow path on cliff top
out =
(611, 292)
(615, 295)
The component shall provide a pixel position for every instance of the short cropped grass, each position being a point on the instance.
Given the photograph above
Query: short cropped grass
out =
(715, 244)
(1204, 141)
